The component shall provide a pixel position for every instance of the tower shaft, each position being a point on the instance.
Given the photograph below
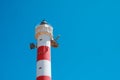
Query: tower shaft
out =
(44, 36)
(43, 58)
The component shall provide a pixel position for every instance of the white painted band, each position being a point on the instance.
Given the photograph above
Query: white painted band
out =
(43, 68)
(43, 40)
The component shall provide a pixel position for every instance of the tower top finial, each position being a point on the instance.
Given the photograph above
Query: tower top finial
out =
(44, 22)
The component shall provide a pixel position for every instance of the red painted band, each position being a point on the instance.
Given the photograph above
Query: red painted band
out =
(43, 53)
(43, 78)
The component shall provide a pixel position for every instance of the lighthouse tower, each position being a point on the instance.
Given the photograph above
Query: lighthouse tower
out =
(44, 37)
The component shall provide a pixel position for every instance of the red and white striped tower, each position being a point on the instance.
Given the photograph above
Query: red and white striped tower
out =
(44, 36)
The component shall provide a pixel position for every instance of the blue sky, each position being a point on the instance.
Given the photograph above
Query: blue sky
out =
(89, 43)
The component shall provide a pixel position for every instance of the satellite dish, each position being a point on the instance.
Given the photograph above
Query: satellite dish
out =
(54, 42)
(32, 46)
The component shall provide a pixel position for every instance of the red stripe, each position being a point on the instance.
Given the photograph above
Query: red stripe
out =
(43, 52)
(43, 78)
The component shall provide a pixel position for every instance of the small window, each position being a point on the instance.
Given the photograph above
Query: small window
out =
(40, 67)
(40, 39)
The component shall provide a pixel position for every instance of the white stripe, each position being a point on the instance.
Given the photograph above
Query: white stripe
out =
(43, 40)
(43, 68)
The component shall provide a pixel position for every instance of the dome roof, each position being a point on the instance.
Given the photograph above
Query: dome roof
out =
(44, 22)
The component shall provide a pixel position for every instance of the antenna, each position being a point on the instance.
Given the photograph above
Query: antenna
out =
(57, 37)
